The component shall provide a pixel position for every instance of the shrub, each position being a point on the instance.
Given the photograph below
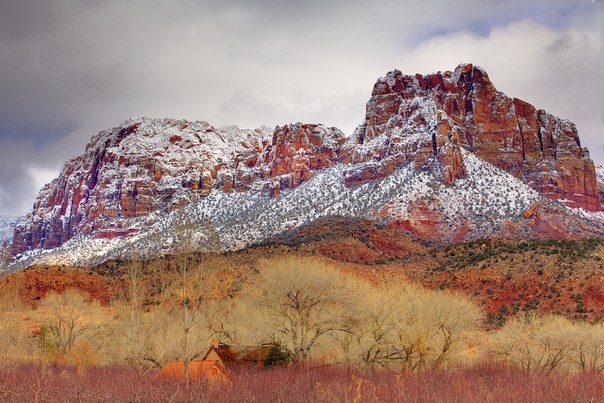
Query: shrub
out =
(277, 356)
(411, 330)
(543, 344)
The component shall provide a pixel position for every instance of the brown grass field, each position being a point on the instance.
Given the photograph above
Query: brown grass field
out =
(302, 383)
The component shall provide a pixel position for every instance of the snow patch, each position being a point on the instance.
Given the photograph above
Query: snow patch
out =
(240, 219)
(600, 176)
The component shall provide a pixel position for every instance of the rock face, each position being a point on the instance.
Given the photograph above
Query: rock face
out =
(405, 123)
(427, 119)
(148, 165)
(427, 122)
(297, 152)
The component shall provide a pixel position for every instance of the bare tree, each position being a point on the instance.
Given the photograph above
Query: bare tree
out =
(135, 334)
(185, 290)
(15, 340)
(302, 300)
(455, 317)
(536, 344)
(411, 329)
(543, 344)
(141, 324)
(374, 333)
(587, 346)
(72, 317)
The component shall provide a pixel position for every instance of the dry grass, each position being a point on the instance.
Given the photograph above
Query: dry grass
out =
(482, 383)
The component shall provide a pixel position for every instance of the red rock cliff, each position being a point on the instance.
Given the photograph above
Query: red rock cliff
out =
(427, 119)
(155, 165)
(150, 166)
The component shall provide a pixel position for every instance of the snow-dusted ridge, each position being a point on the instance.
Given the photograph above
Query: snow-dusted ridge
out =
(488, 196)
(600, 180)
(412, 163)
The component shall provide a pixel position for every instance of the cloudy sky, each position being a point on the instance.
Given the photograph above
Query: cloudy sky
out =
(70, 68)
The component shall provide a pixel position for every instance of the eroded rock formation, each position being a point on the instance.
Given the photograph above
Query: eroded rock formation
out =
(157, 165)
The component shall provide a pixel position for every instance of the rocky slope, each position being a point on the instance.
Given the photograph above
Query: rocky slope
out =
(442, 156)
(506, 277)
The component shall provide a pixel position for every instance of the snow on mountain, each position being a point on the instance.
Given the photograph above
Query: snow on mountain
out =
(141, 166)
(443, 156)
(487, 195)
(600, 181)
(486, 198)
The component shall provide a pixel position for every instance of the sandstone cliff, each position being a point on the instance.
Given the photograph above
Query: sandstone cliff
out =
(429, 118)
(144, 167)
(148, 165)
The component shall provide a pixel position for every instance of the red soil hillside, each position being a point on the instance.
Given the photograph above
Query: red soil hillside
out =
(351, 240)
(512, 277)
(32, 285)
(506, 277)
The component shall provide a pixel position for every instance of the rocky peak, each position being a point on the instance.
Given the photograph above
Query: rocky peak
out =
(298, 151)
(141, 166)
(429, 118)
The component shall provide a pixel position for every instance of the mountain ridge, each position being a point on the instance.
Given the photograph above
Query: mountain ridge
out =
(441, 156)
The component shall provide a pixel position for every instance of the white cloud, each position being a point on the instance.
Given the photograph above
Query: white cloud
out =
(70, 69)
(41, 176)
(555, 70)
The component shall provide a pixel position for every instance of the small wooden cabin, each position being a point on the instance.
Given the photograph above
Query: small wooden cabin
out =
(256, 356)
(226, 353)
(210, 368)
(213, 355)
(199, 370)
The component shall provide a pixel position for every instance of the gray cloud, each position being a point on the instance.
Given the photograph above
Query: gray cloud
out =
(19, 184)
(71, 68)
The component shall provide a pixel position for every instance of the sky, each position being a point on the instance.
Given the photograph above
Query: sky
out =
(71, 68)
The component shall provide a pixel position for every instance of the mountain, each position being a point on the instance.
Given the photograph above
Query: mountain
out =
(463, 110)
(442, 157)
